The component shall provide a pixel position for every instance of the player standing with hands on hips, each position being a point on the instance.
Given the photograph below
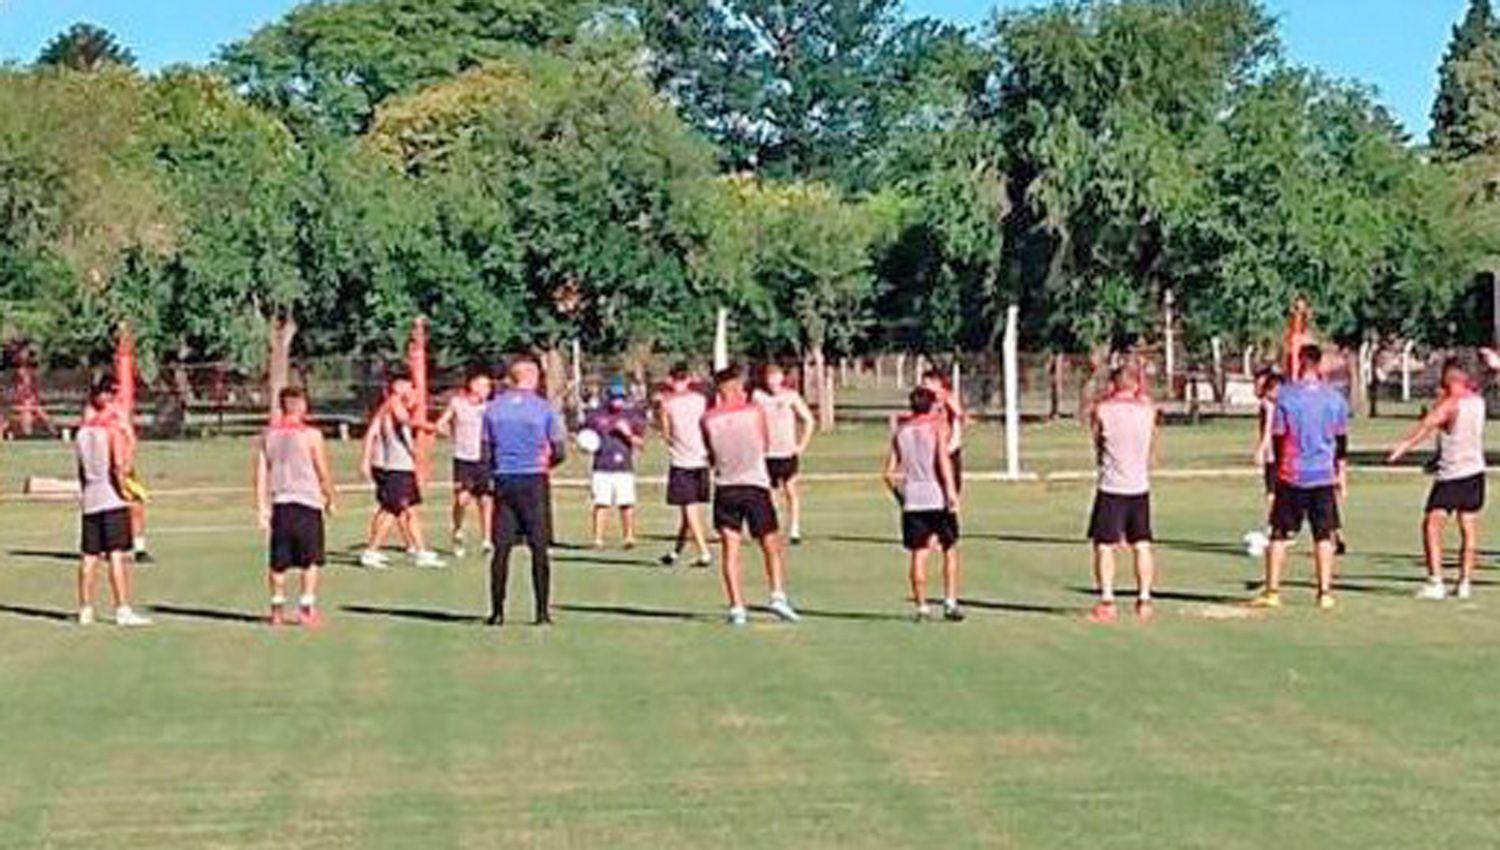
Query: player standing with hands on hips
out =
(919, 471)
(681, 410)
(293, 489)
(105, 459)
(1125, 439)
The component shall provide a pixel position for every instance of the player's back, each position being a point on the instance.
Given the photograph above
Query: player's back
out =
(736, 437)
(468, 427)
(781, 421)
(99, 493)
(1126, 428)
(293, 474)
(521, 428)
(1310, 417)
(684, 418)
(1461, 444)
(917, 445)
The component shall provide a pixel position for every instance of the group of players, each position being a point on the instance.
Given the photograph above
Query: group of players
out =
(733, 446)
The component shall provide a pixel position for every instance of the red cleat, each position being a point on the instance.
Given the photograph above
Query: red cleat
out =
(278, 616)
(1104, 612)
(310, 618)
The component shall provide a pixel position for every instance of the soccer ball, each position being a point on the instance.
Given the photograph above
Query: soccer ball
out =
(1256, 543)
(588, 441)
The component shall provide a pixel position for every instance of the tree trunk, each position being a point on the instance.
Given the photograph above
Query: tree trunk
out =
(554, 368)
(1358, 386)
(283, 332)
(1055, 366)
(823, 378)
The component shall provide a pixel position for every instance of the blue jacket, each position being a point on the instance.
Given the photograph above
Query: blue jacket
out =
(523, 434)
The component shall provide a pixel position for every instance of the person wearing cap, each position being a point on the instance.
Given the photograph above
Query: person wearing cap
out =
(621, 427)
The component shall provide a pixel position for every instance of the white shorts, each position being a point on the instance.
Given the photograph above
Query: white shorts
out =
(614, 489)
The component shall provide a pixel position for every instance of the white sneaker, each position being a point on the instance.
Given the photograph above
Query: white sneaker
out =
(782, 608)
(1434, 591)
(738, 617)
(86, 616)
(488, 548)
(924, 613)
(427, 558)
(373, 560)
(459, 549)
(1464, 590)
(127, 618)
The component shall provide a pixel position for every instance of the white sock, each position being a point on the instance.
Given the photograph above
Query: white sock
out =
(122, 610)
(778, 596)
(1107, 597)
(308, 600)
(797, 530)
(1144, 596)
(140, 544)
(277, 601)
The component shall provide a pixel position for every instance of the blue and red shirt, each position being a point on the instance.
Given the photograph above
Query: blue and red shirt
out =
(524, 434)
(1310, 418)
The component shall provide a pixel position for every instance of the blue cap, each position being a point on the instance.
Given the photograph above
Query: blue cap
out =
(616, 389)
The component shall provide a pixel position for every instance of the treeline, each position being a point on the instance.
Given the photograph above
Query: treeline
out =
(841, 177)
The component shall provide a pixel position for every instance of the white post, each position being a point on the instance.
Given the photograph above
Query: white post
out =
(957, 379)
(1218, 348)
(843, 371)
(901, 371)
(577, 377)
(1406, 370)
(879, 377)
(1249, 360)
(721, 341)
(1170, 335)
(1012, 394)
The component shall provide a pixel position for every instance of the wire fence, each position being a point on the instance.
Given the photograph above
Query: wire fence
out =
(208, 399)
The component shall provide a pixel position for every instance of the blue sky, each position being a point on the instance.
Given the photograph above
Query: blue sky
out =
(1392, 44)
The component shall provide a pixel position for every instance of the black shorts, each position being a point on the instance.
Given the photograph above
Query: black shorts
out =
(472, 477)
(1269, 478)
(919, 528)
(687, 487)
(1460, 496)
(1318, 506)
(782, 469)
(107, 532)
(296, 537)
(956, 457)
(396, 490)
(738, 506)
(1120, 519)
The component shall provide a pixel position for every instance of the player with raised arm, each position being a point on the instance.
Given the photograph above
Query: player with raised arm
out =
(105, 461)
(1124, 425)
(737, 435)
(791, 426)
(1310, 438)
(462, 420)
(680, 416)
(1458, 421)
(397, 493)
(952, 408)
(919, 472)
(293, 490)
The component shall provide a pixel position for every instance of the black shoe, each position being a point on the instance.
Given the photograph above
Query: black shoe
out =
(495, 620)
(1341, 548)
(954, 614)
(543, 620)
(796, 539)
(144, 558)
(669, 559)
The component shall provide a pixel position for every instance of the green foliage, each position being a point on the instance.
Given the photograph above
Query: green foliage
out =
(1466, 114)
(329, 66)
(85, 48)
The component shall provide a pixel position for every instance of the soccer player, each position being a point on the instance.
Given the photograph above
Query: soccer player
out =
(1310, 439)
(293, 489)
(1267, 380)
(622, 431)
(919, 471)
(738, 435)
(680, 413)
(1458, 421)
(104, 452)
(791, 429)
(952, 408)
(523, 438)
(1125, 435)
(397, 494)
(463, 421)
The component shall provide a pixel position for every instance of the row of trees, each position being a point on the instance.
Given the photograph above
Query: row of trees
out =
(842, 178)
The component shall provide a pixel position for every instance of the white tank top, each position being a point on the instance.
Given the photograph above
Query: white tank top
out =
(1126, 427)
(781, 419)
(1461, 444)
(735, 437)
(396, 448)
(917, 447)
(684, 414)
(98, 487)
(294, 476)
(468, 421)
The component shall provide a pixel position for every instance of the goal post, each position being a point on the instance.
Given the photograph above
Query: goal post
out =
(1010, 359)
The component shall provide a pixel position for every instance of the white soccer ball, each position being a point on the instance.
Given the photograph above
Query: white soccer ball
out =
(588, 441)
(1256, 543)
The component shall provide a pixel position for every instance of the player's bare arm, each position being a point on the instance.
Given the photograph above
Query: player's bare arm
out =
(261, 478)
(444, 423)
(945, 470)
(367, 449)
(1438, 418)
(889, 473)
(806, 423)
(319, 448)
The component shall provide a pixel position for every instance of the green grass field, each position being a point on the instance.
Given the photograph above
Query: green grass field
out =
(640, 720)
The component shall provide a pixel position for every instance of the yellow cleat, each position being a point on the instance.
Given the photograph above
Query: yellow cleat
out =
(1269, 599)
(1326, 601)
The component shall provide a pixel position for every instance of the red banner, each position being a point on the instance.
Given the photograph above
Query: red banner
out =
(416, 356)
(125, 372)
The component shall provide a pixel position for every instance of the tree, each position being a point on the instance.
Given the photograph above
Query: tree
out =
(85, 48)
(330, 65)
(564, 185)
(787, 89)
(1466, 114)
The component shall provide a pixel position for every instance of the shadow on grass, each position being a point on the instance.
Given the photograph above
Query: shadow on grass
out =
(1024, 607)
(635, 612)
(604, 561)
(44, 555)
(38, 613)
(426, 615)
(1173, 595)
(825, 614)
(198, 613)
